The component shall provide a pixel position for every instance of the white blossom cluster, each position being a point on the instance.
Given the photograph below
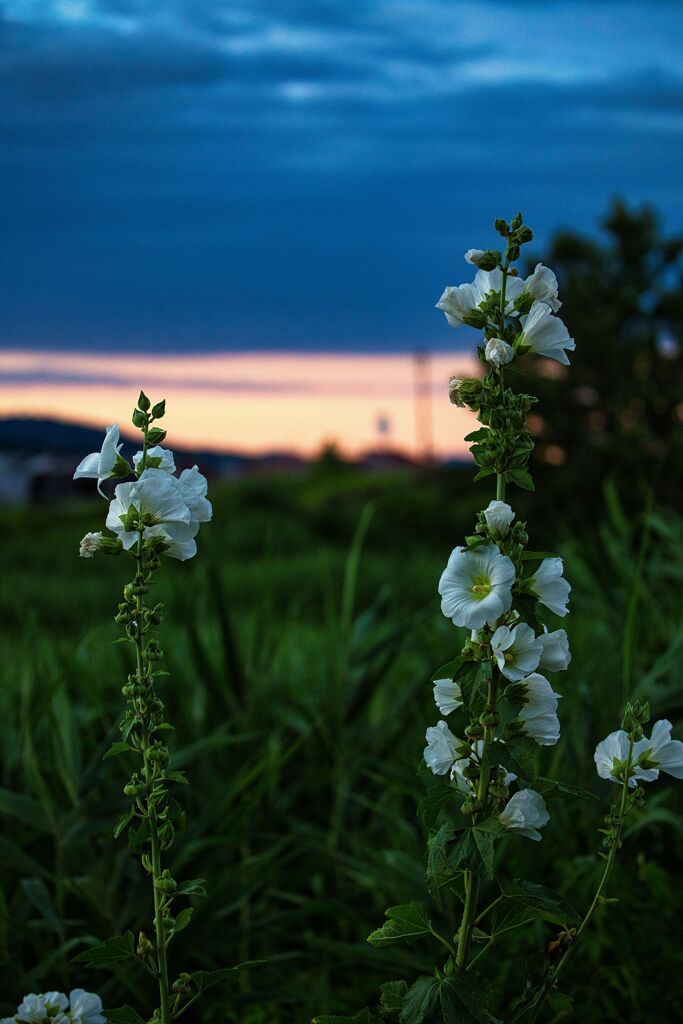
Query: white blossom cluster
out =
(648, 757)
(532, 303)
(476, 590)
(81, 1007)
(170, 507)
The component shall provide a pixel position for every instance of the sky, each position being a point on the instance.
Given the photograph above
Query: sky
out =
(257, 176)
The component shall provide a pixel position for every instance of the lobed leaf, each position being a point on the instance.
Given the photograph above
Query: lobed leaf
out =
(549, 904)
(111, 951)
(406, 923)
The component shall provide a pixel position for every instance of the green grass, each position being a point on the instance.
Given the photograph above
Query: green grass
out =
(300, 644)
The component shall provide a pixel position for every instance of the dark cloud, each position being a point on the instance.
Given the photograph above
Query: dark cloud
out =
(231, 174)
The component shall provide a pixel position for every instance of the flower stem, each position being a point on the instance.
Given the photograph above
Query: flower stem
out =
(597, 898)
(150, 811)
(469, 916)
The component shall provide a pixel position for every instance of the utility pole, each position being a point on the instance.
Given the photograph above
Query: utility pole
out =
(423, 405)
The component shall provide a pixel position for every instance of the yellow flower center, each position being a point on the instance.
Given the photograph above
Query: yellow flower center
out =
(481, 587)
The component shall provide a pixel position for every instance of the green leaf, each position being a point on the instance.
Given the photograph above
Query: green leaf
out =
(537, 556)
(117, 748)
(406, 923)
(138, 838)
(514, 757)
(521, 477)
(176, 777)
(364, 1017)
(124, 1015)
(485, 834)
(123, 822)
(432, 803)
(392, 996)
(421, 1002)
(204, 980)
(183, 919)
(194, 887)
(560, 790)
(449, 670)
(36, 891)
(456, 999)
(478, 435)
(468, 677)
(112, 951)
(549, 904)
(464, 999)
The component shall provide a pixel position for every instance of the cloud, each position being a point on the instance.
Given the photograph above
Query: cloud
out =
(232, 173)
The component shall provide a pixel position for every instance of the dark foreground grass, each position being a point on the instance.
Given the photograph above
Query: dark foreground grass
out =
(300, 645)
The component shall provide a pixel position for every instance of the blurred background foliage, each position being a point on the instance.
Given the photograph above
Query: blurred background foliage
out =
(300, 645)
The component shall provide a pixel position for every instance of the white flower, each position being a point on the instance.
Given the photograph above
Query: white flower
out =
(473, 256)
(475, 586)
(498, 352)
(612, 753)
(90, 544)
(525, 813)
(34, 1009)
(555, 655)
(517, 651)
(99, 466)
(660, 753)
(157, 497)
(439, 754)
(447, 695)
(85, 1007)
(193, 487)
(498, 518)
(549, 586)
(459, 302)
(165, 456)
(539, 714)
(542, 286)
(546, 334)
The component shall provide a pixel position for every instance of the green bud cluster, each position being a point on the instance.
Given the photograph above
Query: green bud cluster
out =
(636, 715)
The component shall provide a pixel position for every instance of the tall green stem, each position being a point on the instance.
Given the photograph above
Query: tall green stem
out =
(149, 777)
(597, 898)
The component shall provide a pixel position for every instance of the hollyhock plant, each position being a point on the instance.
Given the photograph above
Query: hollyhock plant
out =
(488, 784)
(155, 513)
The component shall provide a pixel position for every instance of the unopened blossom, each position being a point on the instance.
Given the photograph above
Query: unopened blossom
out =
(90, 544)
(162, 459)
(660, 753)
(498, 352)
(538, 716)
(546, 334)
(611, 757)
(157, 498)
(85, 1007)
(447, 696)
(555, 654)
(498, 518)
(439, 754)
(476, 586)
(524, 814)
(100, 465)
(458, 776)
(542, 286)
(473, 256)
(516, 650)
(550, 587)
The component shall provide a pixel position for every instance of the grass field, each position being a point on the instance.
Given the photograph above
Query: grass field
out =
(300, 644)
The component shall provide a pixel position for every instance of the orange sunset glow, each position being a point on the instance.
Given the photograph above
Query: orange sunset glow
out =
(253, 403)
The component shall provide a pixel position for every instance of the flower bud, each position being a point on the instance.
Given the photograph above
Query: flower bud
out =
(468, 805)
(183, 983)
(487, 260)
(145, 947)
(474, 730)
(139, 418)
(165, 883)
(502, 227)
(524, 234)
(490, 719)
(498, 352)
(516, 222)
(465, 392)
(134, 787)
(143, 402)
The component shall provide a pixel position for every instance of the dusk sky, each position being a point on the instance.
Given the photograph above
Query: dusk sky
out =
(251, 175)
